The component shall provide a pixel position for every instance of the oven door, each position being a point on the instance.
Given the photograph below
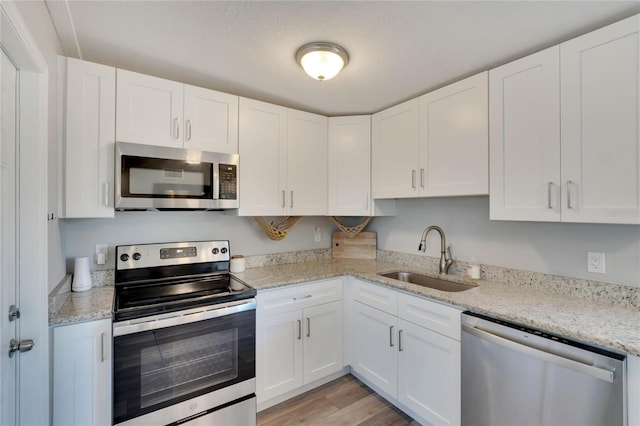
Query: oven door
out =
(205, 357)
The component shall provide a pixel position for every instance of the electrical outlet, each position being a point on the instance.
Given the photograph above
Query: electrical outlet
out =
(318, 234)
(595, 262)
(102, 251)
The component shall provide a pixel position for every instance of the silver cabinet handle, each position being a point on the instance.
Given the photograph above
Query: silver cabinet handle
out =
(176, 128)
(187, 129)
(390, 336)
(569, 185)
(102, 347)
(106, 193)
(421, 178)
(400, 341)
(308, 296)
(291, 199)
(413, 179)
(366, 201)
(283, 199)
(549, 185)
(299, 330)
(308, 327)
(557, 359)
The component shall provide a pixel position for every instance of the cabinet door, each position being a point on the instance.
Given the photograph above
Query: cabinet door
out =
(323, 344)
(82, 374)
(429, 374)
(210, 120)
(454, 142)
(278, 354)
(306, 163)
(600, 120)
(262, 146)
(350, 166)
(148, 110)
(89, 139)
(525, 138)
(374, 352)
(395, 150)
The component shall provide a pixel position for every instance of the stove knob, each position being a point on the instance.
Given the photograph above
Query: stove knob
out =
(214, 251)
(136, 256)
(124, 257)
(223, 250)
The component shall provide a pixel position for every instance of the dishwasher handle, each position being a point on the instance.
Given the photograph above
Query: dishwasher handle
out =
(557, 359)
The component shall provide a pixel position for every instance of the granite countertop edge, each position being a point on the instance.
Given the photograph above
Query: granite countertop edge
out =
(597, 323)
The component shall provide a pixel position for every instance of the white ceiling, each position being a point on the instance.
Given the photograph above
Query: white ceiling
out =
(398, 49)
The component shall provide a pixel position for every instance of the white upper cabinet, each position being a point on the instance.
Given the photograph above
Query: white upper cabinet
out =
(600, 95)
(155, 111)
(454, 149)
(88, 139)
(350, 169)
(262, 146)
(306, 163)
(564, 131)
(396, 150)
(283, 154)
(525, 138)
(435, 145)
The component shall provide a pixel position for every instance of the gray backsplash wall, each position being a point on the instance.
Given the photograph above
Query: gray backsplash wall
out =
(552, 248)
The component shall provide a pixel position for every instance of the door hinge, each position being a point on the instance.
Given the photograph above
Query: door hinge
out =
(14, 313)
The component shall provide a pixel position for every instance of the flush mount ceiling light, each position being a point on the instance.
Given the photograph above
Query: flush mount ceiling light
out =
(321, 60)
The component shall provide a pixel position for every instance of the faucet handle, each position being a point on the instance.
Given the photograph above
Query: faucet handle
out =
(448, 261)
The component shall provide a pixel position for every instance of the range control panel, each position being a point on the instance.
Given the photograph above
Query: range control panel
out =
(152, 255)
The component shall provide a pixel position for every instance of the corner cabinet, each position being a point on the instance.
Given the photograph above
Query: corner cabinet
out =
(564, 131)
(407, 348)
(435, 145)
(299, 338)
(88, 138)
(155, 111)
(82, 374)
(350, 169)
(283, 153)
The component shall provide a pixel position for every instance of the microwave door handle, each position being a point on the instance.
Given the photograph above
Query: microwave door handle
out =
(216, 180)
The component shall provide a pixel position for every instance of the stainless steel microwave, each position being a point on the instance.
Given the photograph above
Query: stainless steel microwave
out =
(159, 178)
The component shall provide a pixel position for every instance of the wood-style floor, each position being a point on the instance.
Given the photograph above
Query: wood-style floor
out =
(345, 401)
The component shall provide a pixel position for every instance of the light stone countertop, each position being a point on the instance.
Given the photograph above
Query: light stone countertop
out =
(90, 305)
(600, 323)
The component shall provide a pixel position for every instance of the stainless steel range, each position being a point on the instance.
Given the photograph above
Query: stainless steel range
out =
(184, 337)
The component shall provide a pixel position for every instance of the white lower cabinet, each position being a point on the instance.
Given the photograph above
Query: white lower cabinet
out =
(412, 358)
(299, 337)
(82, 373)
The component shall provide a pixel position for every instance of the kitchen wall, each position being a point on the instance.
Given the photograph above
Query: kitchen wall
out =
(553, 248)
(244, 234)
(36, 17)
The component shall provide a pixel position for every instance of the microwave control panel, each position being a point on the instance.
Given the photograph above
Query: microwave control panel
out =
(228, 181)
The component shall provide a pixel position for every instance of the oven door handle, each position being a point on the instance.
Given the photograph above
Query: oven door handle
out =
(122, 328)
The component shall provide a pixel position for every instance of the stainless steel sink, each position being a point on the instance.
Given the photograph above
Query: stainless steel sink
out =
(425, 281)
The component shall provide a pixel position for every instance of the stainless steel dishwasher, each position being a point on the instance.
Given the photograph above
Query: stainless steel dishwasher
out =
(514, 375)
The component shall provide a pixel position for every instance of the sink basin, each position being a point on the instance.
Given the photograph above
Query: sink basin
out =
(425, 281)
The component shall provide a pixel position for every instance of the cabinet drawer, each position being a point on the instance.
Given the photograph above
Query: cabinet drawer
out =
(375, 296)
(299, 296)
(432, 315)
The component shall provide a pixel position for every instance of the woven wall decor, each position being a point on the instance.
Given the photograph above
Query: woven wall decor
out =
(351, 231)
(279, 231)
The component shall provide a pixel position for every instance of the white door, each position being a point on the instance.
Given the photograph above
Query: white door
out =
(323, 344)
(395, 134)
(600, 118)
(8, 238)
(374, 347)
(307, 163)
(524, 111)
(23, 212)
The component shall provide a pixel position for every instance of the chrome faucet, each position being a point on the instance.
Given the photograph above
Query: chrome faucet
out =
(445, 255)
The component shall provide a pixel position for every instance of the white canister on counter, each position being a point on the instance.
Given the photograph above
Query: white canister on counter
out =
(473, 270)
(81, 274)
(237, 264)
